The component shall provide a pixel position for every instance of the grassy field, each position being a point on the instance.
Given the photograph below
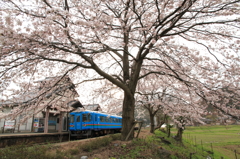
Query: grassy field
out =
(224, 141)
(148, 146)
(196, 145)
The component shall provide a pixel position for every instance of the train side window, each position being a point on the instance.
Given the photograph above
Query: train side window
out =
(104, 119)
(111, 120)
(89, 117)
(108, 119)
(84, 118)
(78, 119)
(101, 119)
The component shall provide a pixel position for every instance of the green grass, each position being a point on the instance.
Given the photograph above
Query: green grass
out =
(184, 150)
(197, 143)
(23, 152)
(95, 144)
(42, 151)
(223, 140)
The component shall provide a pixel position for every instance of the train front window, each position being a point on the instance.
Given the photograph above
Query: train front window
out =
(78, 119)
(71, 118)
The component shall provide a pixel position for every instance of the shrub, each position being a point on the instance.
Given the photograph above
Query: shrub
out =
(97, 143)
(23, 152)
(115, 136)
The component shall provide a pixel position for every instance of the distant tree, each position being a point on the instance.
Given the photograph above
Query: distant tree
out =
(169, 100)
(193, 41)
(180, 128)
(222, 97)
(152, 106)
(161, 119)
(151, 95)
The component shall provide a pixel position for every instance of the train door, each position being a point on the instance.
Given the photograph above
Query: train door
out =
(87, 122)
(78, 121)
(95, 122)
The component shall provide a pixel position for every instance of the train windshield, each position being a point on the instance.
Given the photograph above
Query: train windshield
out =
(71, 118)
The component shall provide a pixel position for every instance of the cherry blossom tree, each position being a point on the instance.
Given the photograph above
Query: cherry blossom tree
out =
(193, 41)
(170, 98)
(52, 93)
(151, 95)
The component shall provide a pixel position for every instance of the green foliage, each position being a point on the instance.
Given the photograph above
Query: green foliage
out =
(59, 154)
(41, 151)
(23, 152)
(136, 149)
(100, 142)
(178, 150)
(33, 152)
(222, 140)
(97, 143)
(150, 147)
(115, 136)
(74, 151)
(153, 147)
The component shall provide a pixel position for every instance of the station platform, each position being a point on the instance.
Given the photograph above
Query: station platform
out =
(9, 139)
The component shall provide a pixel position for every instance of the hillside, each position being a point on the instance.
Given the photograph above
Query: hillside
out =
(154, 146)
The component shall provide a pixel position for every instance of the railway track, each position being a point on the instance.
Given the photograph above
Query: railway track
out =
(32, 138)
(38, 138)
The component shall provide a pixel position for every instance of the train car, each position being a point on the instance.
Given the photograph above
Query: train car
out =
(93, 123)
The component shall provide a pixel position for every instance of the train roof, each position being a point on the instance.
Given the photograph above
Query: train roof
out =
(96, 112)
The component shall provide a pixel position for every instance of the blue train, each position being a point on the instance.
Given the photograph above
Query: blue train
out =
(93, 123)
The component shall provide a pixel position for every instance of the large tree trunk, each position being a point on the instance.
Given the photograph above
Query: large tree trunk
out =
(178, 137)
(128, 116)
(168, 130)
(152, 122)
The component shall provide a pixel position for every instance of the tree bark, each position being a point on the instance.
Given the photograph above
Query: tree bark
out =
(179, 135)
(160, 122)
(152, 122)
(168, 130)
(128, 116)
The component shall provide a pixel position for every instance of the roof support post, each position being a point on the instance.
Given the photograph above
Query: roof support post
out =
(46, 120)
